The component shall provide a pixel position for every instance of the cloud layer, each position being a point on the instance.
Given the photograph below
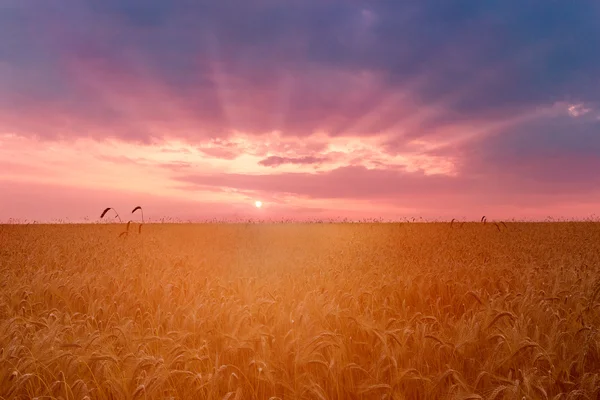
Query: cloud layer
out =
(433, 108)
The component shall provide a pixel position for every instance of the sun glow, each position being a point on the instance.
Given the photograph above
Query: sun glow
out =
(258, 203)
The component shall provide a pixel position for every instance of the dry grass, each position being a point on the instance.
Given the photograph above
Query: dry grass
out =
(300, 311)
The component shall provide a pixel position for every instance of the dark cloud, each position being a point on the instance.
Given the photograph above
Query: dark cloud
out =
(197, 69)
(551, 157)
(142, 14)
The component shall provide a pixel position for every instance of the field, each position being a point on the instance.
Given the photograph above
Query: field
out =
(312, 311)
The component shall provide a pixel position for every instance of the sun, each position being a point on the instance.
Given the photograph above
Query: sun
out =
(258, 203)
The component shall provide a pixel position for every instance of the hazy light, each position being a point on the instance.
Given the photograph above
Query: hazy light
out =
(258, 203)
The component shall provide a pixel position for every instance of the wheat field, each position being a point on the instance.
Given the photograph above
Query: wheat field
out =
(300, 311)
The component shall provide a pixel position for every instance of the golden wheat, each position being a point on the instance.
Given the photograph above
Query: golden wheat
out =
(338, 311)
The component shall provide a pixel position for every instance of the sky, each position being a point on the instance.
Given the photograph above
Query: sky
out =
(320, 109)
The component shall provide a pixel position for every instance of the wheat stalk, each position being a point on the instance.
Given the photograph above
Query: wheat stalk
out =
(142, 211)
(107, 209)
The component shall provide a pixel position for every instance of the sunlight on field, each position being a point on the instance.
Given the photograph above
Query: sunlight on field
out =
(347, 311)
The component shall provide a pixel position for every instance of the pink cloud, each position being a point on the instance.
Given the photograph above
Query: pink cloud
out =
(412, 190)
(224, 153)
(47, 202)
(306, 107)
(275, 161)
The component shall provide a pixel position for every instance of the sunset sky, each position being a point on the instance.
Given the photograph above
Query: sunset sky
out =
(318, 108)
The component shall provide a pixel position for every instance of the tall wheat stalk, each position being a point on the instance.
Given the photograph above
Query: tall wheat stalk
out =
(142, 211)
(107, 209)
